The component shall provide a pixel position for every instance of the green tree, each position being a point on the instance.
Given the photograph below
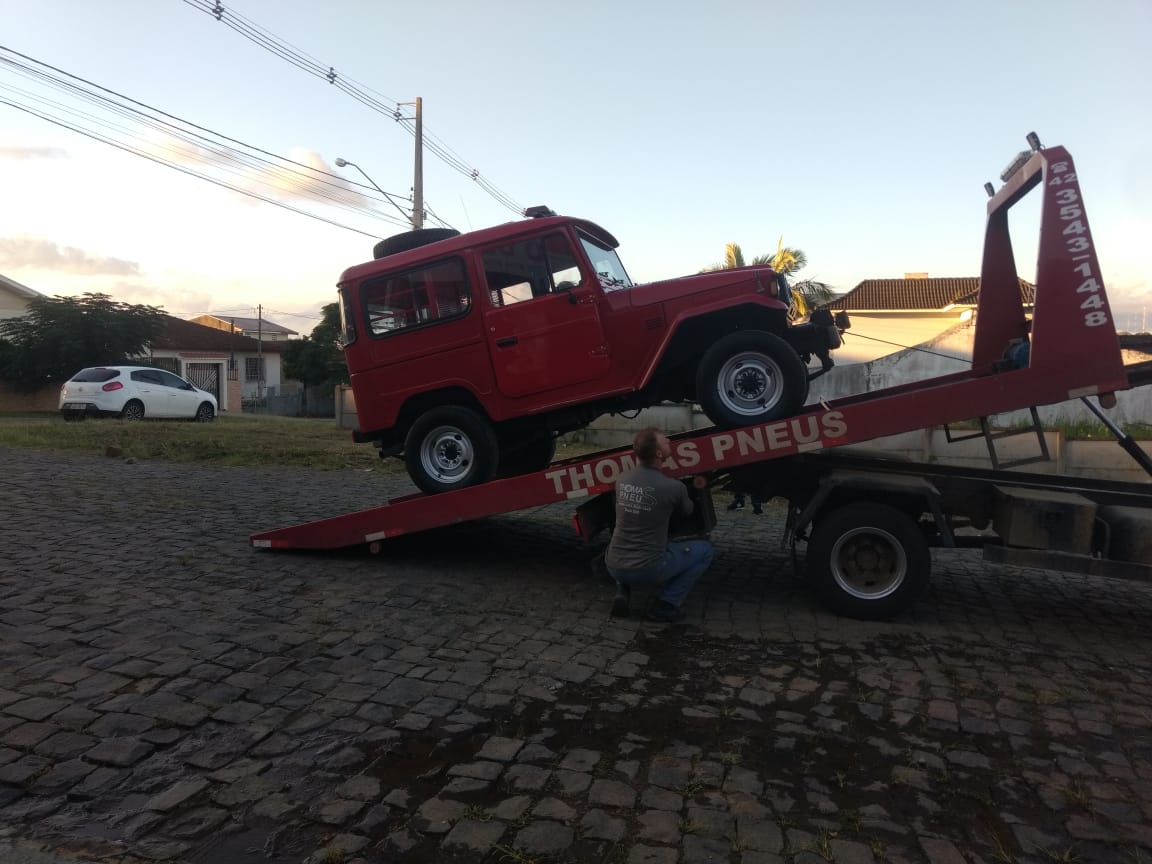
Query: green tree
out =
(807, 294)
(317, 359)
(61, 335)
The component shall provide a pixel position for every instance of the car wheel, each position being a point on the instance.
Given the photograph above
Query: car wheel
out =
(527, 457)
(449, 448)
(411, 240)
(205, 413)
(134, 410)
(751, 377)
(868, 560)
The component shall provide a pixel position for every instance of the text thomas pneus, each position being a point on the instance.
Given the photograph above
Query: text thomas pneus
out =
(810, 432)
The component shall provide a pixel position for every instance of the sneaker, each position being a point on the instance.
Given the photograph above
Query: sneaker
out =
(665, 613)
(738, 504)
(622, 602)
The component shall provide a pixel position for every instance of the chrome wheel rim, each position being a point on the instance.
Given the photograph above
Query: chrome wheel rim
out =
(869, 563)
(750, 383)
(447, 454)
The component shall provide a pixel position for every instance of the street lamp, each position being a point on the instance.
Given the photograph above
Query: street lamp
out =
(344, 163)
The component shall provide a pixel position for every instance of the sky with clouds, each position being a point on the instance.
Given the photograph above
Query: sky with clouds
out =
(861, 133)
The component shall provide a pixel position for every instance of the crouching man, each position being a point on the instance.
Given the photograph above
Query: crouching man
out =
(639, 555)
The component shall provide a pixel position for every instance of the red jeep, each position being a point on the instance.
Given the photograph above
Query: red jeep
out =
(470, 353)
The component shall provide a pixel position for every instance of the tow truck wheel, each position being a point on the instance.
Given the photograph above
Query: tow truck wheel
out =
(525, 458)
(868, 560)
(449, 448)
(751, 377)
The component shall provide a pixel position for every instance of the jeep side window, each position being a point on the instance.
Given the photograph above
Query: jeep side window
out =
(565, 270)
(423, 295)
(530, 268)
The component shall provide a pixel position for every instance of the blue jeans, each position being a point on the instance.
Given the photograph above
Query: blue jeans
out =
(682, 565)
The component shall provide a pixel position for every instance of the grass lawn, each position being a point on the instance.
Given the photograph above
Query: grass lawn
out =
(251, 439)
(248, 439)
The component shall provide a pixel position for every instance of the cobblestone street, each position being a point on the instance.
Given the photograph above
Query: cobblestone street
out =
(169, 693)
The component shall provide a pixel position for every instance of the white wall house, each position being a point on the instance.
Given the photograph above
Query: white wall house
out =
(891, 314)
(14, 298)
(235, 368)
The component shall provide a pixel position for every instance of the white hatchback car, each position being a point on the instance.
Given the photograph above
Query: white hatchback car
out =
(133, 393)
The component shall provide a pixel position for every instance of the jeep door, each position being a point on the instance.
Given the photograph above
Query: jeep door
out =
(542, 319)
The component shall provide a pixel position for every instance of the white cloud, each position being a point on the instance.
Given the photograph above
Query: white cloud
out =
(32, 253)
(305, 181)
(33, 153)
(175, 299)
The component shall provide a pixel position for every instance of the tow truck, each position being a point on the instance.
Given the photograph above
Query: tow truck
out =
(869, 523)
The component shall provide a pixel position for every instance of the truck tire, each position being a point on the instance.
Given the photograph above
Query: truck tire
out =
(411, 240)
(527, 457)
(751, 377)
(868, 560)
(449, 448)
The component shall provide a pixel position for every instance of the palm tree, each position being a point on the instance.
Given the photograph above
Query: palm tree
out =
(807, 294)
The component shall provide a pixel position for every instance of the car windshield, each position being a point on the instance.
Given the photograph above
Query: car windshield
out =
(97, 375)
(606, 263)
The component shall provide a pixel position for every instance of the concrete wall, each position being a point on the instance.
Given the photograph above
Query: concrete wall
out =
(345, 406)
(877, 334)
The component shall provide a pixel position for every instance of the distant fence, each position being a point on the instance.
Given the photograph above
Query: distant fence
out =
(305, 402)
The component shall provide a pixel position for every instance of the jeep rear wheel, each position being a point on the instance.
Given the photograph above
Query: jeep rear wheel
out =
(449, 448)
(751, 377)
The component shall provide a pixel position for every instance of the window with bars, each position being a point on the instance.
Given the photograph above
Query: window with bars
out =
(171, 364)
(253, 368)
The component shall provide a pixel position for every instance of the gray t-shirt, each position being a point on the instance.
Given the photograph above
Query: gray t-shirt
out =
(645, 501)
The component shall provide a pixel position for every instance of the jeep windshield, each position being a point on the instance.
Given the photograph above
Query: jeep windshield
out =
(606, 263)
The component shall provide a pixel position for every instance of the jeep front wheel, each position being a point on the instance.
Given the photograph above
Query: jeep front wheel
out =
(751, 377)
(449, 448)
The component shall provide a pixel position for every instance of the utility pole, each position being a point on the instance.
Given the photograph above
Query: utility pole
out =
(418, 173)
(260, 354)
(418, 183)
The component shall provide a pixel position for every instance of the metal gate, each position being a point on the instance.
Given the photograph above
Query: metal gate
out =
(206, 376)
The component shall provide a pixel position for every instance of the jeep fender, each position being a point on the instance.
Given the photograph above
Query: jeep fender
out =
(694, 330)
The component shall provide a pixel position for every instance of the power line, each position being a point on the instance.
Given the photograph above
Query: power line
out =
(251, 161)
(188, 171)
(270, 42)
(210, 147)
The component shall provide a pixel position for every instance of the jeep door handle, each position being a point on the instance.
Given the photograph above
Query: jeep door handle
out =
(507, 342)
